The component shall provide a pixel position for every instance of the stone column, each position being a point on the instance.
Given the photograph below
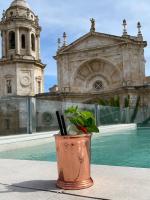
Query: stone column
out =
(38, 46)
(3, 44)
(29, 42)
(17, 42)
(127, 66)
(6, 43)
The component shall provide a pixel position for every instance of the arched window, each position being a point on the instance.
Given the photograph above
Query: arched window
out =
(39, 86)
(11, 40)
(33, 42)
(9, 86)
(11, 13)
(23, 42)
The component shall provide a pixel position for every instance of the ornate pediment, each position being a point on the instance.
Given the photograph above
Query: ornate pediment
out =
(93, 40)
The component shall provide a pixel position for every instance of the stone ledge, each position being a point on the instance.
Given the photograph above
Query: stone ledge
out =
(36, 177)
(109, 129)
(26, 140)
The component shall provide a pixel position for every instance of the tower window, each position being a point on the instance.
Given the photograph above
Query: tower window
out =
(33, 42)
(11, 14)
(9, 86)
(12, 40)
(39, 86)
(23, 42)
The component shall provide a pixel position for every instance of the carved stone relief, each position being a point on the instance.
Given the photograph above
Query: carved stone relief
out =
(97, 70)
(25, 79)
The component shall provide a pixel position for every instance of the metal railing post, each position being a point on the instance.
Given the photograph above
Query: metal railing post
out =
(96, 114)
(29, 131)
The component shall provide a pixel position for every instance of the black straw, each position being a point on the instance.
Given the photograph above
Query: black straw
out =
(60, 123)
(63, 125)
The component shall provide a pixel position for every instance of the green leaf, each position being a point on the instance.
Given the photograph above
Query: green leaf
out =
(103, 102)
(93, 129)
(71, 109)
(127, 102)
(89, 122)
(81, 118)
(87, 114)
(135, 111)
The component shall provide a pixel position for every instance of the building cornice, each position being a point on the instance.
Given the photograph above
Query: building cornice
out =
(20, 20)
(14, 61)
(117, 91)
(123, 40)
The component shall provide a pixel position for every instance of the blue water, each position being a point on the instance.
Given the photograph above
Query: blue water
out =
(123, 149)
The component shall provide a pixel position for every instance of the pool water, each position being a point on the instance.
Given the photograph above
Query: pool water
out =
(130, 148)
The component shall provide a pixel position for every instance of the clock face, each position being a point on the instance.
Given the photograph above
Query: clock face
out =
(25, 81)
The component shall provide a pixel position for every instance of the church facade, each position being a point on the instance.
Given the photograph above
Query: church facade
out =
(100, 65)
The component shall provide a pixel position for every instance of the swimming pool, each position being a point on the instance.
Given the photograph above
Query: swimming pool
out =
(126, 148)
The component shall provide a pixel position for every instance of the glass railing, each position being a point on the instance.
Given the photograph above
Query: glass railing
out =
(46, 113)
(29, 115)
(13, 116)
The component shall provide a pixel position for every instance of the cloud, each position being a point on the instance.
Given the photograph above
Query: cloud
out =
(57, 16)
(73, 17)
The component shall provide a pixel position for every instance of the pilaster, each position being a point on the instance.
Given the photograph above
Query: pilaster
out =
(38, 46)
(3, 44)
(29, 42)
(126, 65)
(17, 41)
(6, 43)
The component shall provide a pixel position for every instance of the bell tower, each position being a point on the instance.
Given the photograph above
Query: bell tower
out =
(21, 70)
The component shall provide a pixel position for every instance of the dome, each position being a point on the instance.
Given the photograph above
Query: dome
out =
(22, 3)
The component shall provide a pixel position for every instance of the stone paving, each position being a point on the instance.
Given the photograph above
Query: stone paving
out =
(35, 180)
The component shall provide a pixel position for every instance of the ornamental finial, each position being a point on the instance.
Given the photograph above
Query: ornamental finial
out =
(124, 27)
(3, 15)
(92, 25)
(59, 43)
(139, 30)
(65, 39)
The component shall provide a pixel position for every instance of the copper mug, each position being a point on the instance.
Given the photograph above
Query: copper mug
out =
(73, 161)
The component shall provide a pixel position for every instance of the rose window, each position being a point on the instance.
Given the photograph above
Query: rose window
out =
(98, 85)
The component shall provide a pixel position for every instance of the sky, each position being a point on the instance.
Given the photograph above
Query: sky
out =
(72, 17)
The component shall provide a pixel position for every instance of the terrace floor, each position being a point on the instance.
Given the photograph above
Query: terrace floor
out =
(35, 180)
